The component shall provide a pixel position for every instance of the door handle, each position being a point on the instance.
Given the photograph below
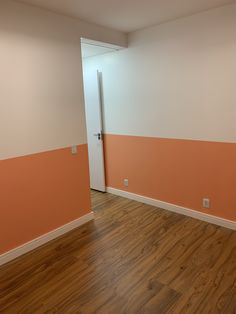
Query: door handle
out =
(98, 135)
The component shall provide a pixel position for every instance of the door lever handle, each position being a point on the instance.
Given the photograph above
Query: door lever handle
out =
(98, 135)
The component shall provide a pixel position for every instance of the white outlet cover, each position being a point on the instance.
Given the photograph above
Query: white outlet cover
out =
(206, 203)
(126, 182)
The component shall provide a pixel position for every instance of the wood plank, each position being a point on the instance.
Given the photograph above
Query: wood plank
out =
(133, 258)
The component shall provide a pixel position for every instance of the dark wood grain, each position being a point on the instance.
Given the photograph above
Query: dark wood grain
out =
(133, 258)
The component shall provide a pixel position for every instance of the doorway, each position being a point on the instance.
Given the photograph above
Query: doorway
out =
(94, 109)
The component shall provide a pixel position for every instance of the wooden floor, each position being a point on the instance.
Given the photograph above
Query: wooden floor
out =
(133, 258)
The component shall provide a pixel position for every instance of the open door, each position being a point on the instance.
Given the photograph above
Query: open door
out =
(93, 108)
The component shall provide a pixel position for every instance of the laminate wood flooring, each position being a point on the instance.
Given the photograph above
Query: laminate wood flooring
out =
(133, 258)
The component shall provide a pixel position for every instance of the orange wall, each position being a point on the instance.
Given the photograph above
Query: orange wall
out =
(41, 192)
(180, 172)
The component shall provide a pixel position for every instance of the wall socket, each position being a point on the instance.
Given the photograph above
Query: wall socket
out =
(126, 182)
(206, 203)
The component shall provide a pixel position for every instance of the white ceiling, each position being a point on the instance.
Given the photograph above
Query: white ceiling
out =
(128, 15)
(90, 50)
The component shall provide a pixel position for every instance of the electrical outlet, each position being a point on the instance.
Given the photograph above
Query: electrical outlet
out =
(206, 203)
(74, 150)
(126, 182)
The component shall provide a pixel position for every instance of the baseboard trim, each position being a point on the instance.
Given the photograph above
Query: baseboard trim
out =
(175, 208)
(29, 246)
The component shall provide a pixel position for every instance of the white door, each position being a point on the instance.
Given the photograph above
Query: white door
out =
(93, 109)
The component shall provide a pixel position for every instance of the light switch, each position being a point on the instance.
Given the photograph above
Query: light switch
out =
(74, 150)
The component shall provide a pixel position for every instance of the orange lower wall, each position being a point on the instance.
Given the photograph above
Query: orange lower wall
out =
(180, 172)
(41, 192)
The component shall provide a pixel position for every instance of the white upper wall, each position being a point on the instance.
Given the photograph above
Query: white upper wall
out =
(176, 80)
(41, 90)
(91, 50)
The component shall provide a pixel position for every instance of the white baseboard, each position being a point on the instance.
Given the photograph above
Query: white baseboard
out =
(175, 208)
(29, 246)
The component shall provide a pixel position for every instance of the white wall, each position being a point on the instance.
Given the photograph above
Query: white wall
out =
(176, 80)
(41, 92)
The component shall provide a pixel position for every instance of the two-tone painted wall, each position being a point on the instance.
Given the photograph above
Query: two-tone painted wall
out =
(169, 112)
(42, 185)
